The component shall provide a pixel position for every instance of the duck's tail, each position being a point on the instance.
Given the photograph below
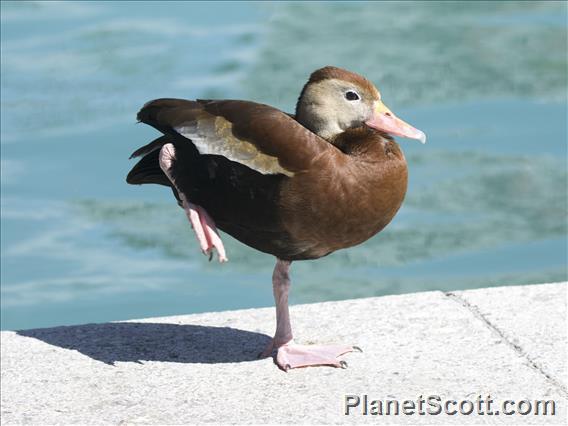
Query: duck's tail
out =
(148, 170)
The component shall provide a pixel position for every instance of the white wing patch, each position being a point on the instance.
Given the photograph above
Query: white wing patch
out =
(213, 135)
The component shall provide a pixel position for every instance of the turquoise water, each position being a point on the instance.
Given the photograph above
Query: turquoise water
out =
(487, 196)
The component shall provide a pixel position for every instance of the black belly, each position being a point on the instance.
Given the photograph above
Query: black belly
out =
(243, 202)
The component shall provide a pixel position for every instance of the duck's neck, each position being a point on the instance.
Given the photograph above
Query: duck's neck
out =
(368, 144)
(317, 118)
(325, 129)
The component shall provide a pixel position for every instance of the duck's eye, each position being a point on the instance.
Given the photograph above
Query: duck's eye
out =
(351, 96)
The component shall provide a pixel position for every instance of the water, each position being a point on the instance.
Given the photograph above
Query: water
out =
(487, 196)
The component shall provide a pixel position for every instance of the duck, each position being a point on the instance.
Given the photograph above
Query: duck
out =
(296, 186)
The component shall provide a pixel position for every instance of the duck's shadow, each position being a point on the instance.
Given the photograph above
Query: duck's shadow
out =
(137, 342)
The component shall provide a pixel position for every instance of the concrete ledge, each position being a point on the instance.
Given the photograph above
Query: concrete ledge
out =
(506, 342)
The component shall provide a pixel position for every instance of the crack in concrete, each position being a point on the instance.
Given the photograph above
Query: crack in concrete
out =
(474, 310)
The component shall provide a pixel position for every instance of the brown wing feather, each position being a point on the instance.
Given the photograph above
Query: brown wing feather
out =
(256, 135)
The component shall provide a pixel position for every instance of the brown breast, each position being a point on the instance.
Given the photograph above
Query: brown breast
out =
(346, 198)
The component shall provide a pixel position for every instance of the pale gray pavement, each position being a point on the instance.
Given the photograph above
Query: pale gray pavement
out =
(507, 342)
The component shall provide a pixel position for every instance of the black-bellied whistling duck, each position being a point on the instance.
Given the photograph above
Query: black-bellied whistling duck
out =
(297, 187)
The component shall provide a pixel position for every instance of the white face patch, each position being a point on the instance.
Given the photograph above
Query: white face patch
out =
(214, 136)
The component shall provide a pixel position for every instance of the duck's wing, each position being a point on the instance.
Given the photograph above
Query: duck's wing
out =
(258, 136)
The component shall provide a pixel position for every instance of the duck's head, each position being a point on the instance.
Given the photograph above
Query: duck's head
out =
(335, 100)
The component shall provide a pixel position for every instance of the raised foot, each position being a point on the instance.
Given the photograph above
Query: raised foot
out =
(293, 355)
(202, 224)
(205, 231)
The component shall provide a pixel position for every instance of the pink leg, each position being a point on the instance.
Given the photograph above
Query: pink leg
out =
(213, 238)
(202, 224)
(290, 355)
